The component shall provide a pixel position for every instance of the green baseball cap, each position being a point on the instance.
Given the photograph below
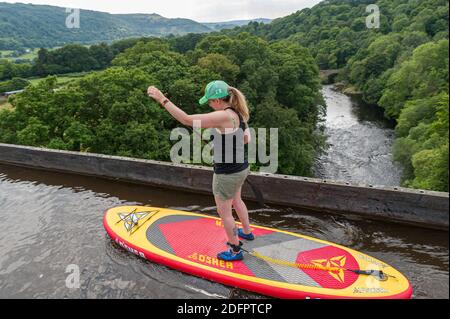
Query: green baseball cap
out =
(215, 90)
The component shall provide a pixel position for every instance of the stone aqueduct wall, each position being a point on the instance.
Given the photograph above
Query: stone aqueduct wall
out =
(423, 208)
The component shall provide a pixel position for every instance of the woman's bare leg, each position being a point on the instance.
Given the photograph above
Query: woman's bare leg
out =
(225, 212)
(242, 212)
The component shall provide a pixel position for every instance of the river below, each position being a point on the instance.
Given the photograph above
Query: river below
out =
(360, 143)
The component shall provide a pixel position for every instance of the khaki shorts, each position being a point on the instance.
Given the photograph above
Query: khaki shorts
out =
(225, 186)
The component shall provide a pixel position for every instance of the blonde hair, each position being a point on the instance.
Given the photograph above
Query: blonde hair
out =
(238, 102)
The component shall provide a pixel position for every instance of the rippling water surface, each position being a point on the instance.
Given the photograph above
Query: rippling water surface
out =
(49, 221)
(360, 143)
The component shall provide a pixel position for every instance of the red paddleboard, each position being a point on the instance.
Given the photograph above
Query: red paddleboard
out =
(190, 242)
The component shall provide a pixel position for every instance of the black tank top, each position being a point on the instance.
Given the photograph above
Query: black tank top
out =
(229, 149)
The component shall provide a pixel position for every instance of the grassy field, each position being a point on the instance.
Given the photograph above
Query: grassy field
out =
(28, 56)
(63, 79)
(5, 53)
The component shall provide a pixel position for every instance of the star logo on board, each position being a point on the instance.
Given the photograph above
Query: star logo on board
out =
(132, 219)
(333, 257)
(338, 262)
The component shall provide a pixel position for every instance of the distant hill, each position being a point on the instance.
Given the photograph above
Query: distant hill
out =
(27, 25)
(217, 26)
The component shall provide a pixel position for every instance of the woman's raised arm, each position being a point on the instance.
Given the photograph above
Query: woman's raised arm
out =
(210, 120)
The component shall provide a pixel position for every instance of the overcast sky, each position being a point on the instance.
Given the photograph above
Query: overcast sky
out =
(198, 10)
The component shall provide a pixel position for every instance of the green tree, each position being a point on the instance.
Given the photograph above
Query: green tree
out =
(297, 145)
(423, 144)
(34, 134)
(13, 85)
(424, 75)
(221, 65)
(78, 137)
(109, 112)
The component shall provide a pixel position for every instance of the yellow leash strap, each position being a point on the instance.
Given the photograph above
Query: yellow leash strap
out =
(295, 265)
(379, 274)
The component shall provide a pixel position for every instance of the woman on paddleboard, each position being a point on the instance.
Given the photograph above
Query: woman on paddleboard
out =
(231, 168)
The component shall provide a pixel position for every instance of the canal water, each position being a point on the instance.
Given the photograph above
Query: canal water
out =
(51, 224)
(360, 143)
